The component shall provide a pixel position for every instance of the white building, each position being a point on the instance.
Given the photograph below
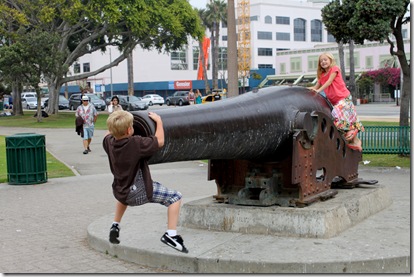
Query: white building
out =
(286, 36)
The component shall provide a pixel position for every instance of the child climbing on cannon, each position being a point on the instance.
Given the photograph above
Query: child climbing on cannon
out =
(132, 185)
(344, 115)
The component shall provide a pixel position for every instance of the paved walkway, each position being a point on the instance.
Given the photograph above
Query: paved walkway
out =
(44, 227)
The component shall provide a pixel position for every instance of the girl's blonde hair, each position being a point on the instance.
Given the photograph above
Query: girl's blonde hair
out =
(118, 123)
(320, 69)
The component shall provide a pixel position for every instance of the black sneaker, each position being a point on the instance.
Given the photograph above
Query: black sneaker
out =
(114, 234)
(85, 152)
(175, 242)
(89, 150)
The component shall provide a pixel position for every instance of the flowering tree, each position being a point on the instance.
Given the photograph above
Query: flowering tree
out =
(384, 76)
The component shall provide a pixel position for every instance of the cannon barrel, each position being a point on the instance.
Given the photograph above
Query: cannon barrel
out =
(253, 126)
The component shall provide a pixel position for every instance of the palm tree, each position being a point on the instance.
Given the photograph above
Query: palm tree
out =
(215, 14)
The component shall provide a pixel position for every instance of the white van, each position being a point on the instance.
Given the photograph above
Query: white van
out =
(28, 94)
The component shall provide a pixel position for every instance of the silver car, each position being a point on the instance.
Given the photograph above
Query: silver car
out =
(29, 103)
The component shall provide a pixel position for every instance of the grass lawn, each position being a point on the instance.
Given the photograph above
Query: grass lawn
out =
(61, 120)
(67, 120)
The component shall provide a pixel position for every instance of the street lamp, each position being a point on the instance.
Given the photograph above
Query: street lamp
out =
(110, 71)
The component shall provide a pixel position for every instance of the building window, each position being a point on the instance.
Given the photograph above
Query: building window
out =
(223, 24)
(331, 38)
(282, 49)
(283, 36)
(369, 62)
(404, 33)
(265, 65)
(86, 67)
(313, 63)
(299, 29)
(254, 18)
(222, 65)
(179, 60)
(284, 20)
(196, 55)
(265, 52)
(282, 68)
(268, 19)
(316, 30)
(76, 68)
(223, 38)
(356, 59)
(264, 35)
(296, 64)
(386, 60)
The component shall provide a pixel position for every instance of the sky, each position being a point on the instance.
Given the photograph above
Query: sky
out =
(201, 4)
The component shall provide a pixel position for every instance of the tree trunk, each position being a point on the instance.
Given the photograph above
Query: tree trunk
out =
(232, 67)
(351, 84)
(342, 60)
(213, 52)
(17, 90)
(216, 55)
(39, 105)
(54, 89)
(130, 66)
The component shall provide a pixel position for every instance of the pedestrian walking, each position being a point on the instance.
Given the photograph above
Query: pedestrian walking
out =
(89, 115)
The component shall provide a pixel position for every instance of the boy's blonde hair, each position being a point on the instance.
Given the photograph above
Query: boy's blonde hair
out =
(118, 123)
(320, 69)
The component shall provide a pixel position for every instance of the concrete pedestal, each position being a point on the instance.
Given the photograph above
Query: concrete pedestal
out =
(319, 220)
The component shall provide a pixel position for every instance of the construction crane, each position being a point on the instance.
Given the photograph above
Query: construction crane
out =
(243, 39)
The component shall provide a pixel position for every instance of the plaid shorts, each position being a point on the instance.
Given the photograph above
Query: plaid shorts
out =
(162, 195)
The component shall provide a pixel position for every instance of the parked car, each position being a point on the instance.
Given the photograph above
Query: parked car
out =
(75, 101)
(178, 98)
(24, 95)
(63, 103)
(29, 103)
(153, 99)
(132, 103)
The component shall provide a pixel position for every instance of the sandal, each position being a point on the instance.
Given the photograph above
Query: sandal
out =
(353, 134)
(355, 147)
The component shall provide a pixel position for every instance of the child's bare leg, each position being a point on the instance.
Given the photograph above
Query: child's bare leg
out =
(115, 228)
(173, 215)
(119, 211)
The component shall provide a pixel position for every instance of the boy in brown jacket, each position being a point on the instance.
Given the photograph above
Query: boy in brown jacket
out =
(132, 185)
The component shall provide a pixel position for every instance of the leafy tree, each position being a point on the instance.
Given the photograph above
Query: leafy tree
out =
(335, 16)
(85, 27)
(24, 62)
(377, 20)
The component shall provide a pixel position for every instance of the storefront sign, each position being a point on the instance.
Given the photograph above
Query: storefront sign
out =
(182, 85)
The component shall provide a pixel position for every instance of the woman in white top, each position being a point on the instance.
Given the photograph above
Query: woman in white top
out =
(114, 106)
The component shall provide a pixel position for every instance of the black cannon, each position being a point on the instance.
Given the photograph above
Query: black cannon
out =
(277, 145)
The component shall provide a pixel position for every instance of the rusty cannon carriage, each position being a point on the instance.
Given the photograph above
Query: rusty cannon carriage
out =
(273, 146)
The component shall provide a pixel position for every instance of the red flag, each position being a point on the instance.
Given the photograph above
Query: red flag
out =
(206, 47)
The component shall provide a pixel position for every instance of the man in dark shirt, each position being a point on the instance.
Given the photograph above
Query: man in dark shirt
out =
(132, 185)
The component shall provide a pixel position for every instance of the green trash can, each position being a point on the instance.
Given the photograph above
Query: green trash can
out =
(1, 105)
(26, 159)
